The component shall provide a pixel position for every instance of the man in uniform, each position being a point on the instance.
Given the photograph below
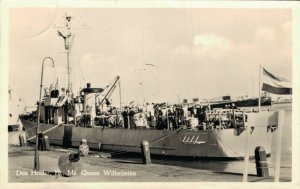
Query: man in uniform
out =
(172, 121)
(125, 115)
(159, 118)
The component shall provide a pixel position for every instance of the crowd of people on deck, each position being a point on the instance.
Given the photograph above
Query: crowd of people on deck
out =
(166, 117)
(161, 116)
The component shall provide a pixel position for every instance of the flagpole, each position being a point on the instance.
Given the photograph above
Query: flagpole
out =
(259, 88)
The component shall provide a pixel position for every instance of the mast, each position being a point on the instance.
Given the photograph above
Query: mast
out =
(68, 61)
(68, 38)
(68, 46)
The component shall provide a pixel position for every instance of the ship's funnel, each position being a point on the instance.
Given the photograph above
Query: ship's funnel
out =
(89, 102)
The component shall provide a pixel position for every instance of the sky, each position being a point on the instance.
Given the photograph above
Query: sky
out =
(160, 54)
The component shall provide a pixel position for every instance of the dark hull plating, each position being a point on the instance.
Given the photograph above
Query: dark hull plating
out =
(244, 103)
(186, 143)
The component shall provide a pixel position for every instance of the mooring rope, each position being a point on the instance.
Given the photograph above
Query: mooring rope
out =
(165, 136)
(45, 131)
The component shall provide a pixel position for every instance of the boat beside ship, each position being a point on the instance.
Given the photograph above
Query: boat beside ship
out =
(67, 119)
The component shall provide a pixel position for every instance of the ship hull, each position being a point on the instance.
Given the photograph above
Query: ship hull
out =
(226, 143)
(244, 103)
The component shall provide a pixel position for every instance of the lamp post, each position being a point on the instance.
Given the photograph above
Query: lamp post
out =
(36, 154)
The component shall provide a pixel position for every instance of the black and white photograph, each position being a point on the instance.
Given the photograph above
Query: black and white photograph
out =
(144, 92)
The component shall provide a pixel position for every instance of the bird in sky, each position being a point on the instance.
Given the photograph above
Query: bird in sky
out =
(149, 64)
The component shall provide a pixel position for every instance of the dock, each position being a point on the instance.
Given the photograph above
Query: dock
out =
(97, 167)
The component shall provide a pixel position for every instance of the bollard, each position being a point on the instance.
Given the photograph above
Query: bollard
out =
(146, 152)
(46, 142)
(261, 162)
(41, 142)
(67, 138)
(22, 140)
(83, 148)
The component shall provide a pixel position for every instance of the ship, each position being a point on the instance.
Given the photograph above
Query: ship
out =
(68, 119)
(245, 102)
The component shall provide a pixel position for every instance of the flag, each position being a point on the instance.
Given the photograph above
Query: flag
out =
(276, 85)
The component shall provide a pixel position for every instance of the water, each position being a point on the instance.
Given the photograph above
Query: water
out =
(237, 167)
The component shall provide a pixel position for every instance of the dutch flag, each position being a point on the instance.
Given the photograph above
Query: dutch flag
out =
(276, 85)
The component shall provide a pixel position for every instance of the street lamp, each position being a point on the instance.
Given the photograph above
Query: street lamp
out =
(36, 154)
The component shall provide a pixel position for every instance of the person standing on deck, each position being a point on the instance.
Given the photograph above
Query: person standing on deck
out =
(233, 106)
(180, 115)
(172, 121)
(199, 113)
(131, 117)
(125, 115)
(159, 119)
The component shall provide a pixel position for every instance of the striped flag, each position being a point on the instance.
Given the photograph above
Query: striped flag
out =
(276, 85)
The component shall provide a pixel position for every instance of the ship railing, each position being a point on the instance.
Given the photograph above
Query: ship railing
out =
(226, 118)
(217, 119)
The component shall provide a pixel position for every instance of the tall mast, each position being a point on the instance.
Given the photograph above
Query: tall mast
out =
(68, 38)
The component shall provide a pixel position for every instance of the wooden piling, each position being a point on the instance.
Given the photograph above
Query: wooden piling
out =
(46, 142)
(262, 169)
(22, 140)
(41, 142)
(281, 119)
(146, 152)
(67, 138)
(246, 158)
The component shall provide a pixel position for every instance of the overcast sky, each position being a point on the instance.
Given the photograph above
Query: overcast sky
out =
(196, 52)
